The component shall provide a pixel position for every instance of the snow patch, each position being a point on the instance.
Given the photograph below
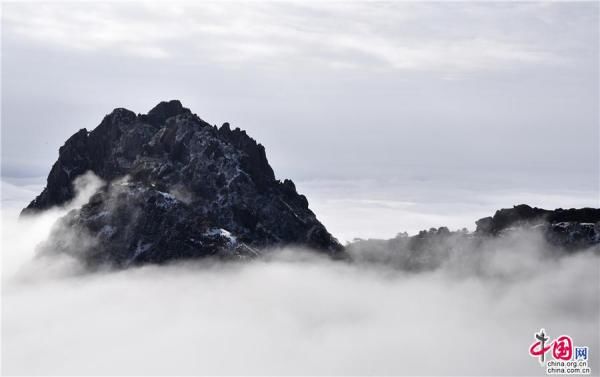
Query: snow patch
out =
(67, 171)
(107, 231)
(169, 201)
(139, 250)
(223, 233)
(166, 195)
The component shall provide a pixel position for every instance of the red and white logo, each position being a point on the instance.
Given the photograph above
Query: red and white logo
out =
(566, 359)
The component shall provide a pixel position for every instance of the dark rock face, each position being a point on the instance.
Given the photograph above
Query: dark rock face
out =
(572, 228)
(523, 214)
(177, 188)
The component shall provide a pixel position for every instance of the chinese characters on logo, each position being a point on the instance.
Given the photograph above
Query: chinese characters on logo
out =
(566, 358)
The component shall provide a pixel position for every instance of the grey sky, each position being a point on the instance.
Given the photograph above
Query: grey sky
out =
(331, 89)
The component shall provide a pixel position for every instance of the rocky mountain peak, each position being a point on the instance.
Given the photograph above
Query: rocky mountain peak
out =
(177, 187)
(165, 110)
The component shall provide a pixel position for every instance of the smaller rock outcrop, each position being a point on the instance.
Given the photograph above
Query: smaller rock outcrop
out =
(572, 228)
(523, 214)
(550, 233)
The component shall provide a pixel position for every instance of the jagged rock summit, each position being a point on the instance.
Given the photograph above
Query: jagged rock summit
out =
(524, 215)
(177, 187)
(571, 228)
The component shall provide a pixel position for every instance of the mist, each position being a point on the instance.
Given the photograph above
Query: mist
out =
(291, 311)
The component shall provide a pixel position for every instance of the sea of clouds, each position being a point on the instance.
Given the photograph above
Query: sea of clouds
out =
(290, 312)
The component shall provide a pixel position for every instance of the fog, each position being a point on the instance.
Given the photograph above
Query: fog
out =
(290, 312)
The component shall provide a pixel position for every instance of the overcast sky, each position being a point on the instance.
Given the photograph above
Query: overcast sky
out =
(332, 90)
